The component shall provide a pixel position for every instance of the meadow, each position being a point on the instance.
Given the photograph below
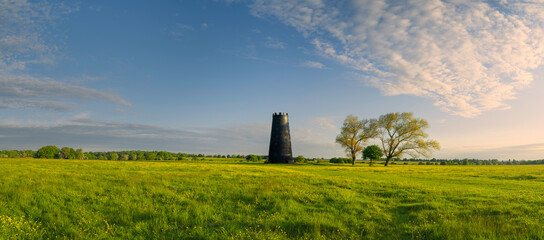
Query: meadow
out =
(213, 199)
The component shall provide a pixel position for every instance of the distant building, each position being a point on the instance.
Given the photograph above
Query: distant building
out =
(280, 140)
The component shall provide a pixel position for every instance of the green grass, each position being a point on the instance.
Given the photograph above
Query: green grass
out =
(78, 199)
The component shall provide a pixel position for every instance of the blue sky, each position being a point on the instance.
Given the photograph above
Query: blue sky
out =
(206, 76)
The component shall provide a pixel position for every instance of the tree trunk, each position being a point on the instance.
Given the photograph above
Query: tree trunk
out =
(387, 161)
(353, 158)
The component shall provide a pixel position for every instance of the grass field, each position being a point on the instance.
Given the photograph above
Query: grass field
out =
(80, 199)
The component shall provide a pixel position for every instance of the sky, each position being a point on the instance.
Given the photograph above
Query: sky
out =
(206, 76)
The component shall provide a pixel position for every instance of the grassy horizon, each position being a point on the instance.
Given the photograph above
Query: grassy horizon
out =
(79, 199)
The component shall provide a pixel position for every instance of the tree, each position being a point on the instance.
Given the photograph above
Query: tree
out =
(48, 152)
(300, 159)
(372, 152)
(355, 133)
(401, 133)
(79, 153)
(114, 156)
(65, 153)
(72, 154)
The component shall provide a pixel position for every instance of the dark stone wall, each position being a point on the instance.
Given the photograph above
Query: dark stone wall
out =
(280, 140)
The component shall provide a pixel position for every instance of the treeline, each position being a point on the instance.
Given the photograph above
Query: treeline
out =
(473, 161)
(53, 152)
(17, 153)
(152, 155)
(465, 161)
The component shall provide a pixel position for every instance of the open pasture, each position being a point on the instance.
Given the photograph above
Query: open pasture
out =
(80, 199)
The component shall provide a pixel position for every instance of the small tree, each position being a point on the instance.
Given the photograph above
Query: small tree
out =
(72, 154)
(300, 159)
(79, 154)
(48, 152)
(372, 152)
(65, 153)
(355, 133)
(114, 156)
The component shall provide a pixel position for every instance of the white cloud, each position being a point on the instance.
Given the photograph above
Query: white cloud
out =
(312, 64)
(469, 56)
(20, 35)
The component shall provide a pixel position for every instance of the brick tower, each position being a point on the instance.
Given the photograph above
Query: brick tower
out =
(280, 140)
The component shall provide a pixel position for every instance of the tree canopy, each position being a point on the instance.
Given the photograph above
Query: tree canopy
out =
(372, 152)
(48, 152)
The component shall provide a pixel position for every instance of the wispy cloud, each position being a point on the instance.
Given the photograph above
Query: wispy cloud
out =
(24, 40)
(180, 29)
(469, 56)
(312, 64)
(21, 40)
(271, 42)
(14, 103)
(26, 92)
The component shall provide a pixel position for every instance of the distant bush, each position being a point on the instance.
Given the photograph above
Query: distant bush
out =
(253, 158)
(300, 159)
(340, 160)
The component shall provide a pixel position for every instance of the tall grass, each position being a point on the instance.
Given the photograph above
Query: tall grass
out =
(78, 199)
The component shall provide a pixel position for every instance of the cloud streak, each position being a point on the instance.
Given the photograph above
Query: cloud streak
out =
(312, 64)
(33, 89)
(98, 135)
(469, 56)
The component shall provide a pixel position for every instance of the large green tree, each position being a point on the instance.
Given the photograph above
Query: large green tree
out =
(48, 152)
(401, 133)
(355, 133)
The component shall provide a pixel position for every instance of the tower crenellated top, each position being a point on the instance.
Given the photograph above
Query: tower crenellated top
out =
(280, 114)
